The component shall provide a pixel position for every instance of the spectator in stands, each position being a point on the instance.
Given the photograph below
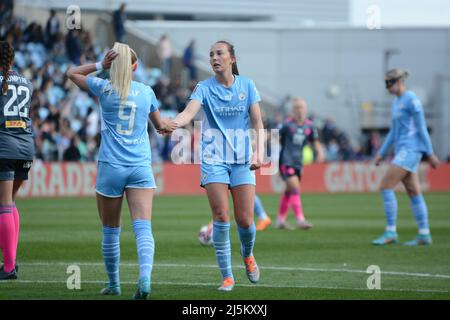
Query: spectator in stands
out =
(53, 119)
(119, 18)
(73, 46)
(189, 60)
(373, 143)
(51, 30)
(359, 154)
(6, 15)
(165, 55)
(346, 152)
(332, 153)
(3, 13)
(34, 33)
(9, 5)
(328, 131)
(90, 51)
(59, 55)
(49, 150)
(12, 33)
(72, 153)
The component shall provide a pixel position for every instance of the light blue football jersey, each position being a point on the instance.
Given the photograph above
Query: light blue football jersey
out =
(124, 124)
(225, 123)
(408, 131)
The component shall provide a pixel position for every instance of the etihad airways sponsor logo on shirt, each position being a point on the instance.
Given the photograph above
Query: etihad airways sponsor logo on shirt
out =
(229, 111)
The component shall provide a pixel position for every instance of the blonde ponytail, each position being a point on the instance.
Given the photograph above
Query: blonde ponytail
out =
(121, 71)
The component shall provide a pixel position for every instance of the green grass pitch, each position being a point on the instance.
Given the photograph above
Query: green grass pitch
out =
(326, 262)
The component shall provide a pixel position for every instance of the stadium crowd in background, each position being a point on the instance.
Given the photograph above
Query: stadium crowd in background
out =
(44, 53)
(118, 20)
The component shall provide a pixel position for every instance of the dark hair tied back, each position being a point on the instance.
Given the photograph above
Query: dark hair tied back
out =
(6, 58)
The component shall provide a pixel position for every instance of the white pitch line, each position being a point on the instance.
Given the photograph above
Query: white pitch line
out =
(280, 268)
(213, 284)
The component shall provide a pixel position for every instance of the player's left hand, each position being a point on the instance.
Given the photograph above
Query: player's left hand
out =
(256, 162)
(433, 161)
(163, 128)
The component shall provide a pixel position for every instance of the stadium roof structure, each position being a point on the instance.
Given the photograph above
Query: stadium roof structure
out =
(310, 12)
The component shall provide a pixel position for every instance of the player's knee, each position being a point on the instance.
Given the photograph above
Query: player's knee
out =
(221, 214)
(110, 221)
(412, 192)
(244, 222)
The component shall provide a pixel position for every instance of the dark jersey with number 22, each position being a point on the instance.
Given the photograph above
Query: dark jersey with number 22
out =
(293, 137)
(16, 135)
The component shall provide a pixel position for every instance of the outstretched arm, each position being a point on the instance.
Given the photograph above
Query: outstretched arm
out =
(159, 123)
(187, 115)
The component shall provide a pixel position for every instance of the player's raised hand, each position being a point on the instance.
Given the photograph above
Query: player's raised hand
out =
(378, 159)
(433, 161)
(109, 58)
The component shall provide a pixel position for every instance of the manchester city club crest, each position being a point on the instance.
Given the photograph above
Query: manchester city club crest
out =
(242, 96)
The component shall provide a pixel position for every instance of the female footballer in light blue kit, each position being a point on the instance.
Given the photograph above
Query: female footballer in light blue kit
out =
(410, 138)
(124, 162)
(229, 103)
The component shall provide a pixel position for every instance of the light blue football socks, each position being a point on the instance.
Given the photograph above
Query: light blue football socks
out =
(111, 254)
(420, 212)
(221, 240)
(145, 246)
(390, 209)
(247, 237)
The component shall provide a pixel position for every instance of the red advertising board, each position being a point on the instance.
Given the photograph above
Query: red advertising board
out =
(61, 179)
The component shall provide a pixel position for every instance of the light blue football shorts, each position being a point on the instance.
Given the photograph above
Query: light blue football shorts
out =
(231, 174)
(408, 160)
(113, 179)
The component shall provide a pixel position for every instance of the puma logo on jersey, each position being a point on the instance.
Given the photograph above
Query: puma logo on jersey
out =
(27, 165)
